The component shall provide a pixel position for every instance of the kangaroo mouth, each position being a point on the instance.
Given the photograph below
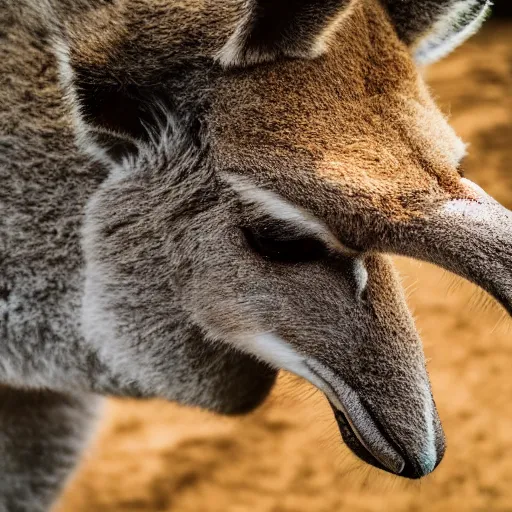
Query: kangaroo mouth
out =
(359, 430)
(352, 440)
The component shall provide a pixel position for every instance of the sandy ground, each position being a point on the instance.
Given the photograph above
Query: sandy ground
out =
(158, 457)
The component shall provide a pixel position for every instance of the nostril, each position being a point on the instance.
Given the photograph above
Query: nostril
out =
(416, 471)
(420, 468)
(411, 471)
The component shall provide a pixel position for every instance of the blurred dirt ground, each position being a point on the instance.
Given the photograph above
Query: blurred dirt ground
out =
(288, 456)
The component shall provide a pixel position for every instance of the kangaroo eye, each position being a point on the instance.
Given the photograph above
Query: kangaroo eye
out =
(285, 247)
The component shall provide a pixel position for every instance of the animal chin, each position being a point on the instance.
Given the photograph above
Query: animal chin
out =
(364, 434)
(352, 440)
(359, 430)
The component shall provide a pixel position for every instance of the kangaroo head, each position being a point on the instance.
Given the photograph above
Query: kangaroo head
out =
(304, 146)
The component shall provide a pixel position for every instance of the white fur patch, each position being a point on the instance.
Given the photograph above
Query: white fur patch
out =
(429, 455)
(457, 25)
(460, 151)
(271, 349)
(466, 208)
(361, 276)
(474, 187)
(479, 209)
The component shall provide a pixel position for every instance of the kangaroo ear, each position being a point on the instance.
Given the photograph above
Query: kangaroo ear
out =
(272, 28)
(433, 28)
(111, 119)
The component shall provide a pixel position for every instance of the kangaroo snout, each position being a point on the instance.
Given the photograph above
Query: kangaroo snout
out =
(398, 432)
(420, 441)
(410, 465)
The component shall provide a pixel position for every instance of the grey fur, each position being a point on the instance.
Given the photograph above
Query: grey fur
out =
(127, 273)
(41, 281)
(41, 435)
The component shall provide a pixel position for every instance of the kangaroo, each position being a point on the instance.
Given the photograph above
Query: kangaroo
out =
(197, 194)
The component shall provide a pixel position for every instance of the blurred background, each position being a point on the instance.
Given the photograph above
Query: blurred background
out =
(288, 456)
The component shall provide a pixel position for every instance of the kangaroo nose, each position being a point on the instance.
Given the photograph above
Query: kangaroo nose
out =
(418, 469)
(423, 466)
(420, 465)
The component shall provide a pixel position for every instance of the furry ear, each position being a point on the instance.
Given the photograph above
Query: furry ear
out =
(111, 119)
(273, 28)
(433, 28)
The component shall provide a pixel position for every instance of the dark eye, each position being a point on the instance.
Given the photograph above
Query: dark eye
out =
(285, 247)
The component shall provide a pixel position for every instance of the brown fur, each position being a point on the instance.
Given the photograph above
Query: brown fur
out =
(337, 120)
(363, 140)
